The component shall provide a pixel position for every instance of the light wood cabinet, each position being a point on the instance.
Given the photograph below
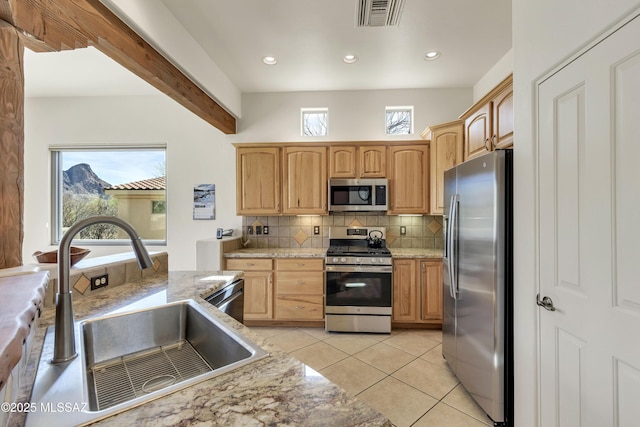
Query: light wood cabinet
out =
(299, 289)
(417, 291)
(362, 161)
(445, 151)
(257, 180)
(431, 290)
(503, 119)
(405, 290)
(489, 122)
(408, 179)
(258, 286)
(305, 180)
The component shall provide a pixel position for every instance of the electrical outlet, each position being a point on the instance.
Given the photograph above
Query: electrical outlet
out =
(249, 230)
(403, 230)
(265, 229)
(99, 281)
(258, 229)
(316, 229)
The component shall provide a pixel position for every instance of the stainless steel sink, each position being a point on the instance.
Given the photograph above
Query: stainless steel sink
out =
(130, 358)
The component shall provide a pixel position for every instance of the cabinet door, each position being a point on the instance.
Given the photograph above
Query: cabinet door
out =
(373, 161)
(257, 181)
(409, 179)
(503, 119)
(405, 290)
(477, 132)
(258, 295)
(431, 290)
(446, 152)
(342, 162)
(305, 180)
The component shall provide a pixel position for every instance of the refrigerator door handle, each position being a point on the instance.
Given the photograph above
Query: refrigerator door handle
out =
(453, 285)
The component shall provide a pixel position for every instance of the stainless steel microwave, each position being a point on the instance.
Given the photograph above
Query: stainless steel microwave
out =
(347, 195)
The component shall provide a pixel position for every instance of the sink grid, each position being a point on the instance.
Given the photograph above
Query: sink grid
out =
(125, 378)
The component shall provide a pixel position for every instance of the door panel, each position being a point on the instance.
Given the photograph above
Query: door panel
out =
(588, 232)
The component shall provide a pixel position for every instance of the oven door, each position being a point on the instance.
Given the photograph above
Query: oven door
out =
(349, 287)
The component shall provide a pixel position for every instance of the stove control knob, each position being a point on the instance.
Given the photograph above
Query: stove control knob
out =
(373, 260)
(335, 259)
(357, 260)
(343, 259)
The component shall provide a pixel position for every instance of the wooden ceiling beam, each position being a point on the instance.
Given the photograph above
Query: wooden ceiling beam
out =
(55, 25)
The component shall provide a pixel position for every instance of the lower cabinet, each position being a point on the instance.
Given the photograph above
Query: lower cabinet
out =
(258, 286)
(299, 289)
(417, 291)
(281, 289)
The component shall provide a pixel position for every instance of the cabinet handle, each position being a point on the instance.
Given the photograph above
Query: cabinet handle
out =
(485, 144)
(270, 278)
(249, 264)
(300, 264)
(299, 307)
(300, 282)
(493, 142)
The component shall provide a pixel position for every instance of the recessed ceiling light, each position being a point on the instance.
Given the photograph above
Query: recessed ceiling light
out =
(350, 59)
(270, 60)
(430, 56)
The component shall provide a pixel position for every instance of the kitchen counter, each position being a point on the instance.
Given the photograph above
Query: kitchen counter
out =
(321, 253)
(275, 390)
(415, 253)
(22, 298)
(277, 253)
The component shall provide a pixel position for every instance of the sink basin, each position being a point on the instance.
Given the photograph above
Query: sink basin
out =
(130, 358)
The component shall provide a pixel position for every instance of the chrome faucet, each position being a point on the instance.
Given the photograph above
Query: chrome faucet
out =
(64, 347)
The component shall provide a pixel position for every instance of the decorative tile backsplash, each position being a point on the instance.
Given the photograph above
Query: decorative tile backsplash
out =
(298, 231)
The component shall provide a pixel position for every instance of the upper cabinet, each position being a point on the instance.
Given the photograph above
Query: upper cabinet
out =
(305, 180)
(257, 180)
(446, 151)
(408, 179)
(363, 161)
(489, 123)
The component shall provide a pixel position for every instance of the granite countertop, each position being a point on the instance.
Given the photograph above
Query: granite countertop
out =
(415, 253)
(321, 253)
(275, 390)
(22, 298)
(277, 253)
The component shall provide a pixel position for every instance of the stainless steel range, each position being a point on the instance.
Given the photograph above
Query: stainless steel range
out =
(359, 280)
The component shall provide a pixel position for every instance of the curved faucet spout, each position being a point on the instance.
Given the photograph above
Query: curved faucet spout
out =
(64, 344)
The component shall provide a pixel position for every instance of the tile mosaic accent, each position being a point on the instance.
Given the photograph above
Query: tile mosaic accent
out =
(297, 232)
(82, 284)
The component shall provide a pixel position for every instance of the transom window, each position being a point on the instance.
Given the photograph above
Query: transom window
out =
(314, 121)
(124, 181)
(399, 120)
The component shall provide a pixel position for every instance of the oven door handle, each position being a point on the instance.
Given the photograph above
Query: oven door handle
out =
(358, 269)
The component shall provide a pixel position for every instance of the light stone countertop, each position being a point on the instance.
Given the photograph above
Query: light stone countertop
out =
(276, 390)
(321, 253)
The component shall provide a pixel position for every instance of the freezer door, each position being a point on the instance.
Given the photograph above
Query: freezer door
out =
(480, 307)
(448, 302)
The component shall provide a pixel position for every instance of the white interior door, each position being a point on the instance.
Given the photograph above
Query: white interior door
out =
(589, 236)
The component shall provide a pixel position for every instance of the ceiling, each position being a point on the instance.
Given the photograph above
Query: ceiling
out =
(309, 39)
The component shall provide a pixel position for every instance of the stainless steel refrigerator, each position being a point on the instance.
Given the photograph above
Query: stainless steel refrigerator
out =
(477, 326)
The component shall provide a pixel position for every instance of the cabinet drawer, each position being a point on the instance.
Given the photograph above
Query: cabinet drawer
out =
(249, 264)
(299, 307)
(293, 282)
(300, 264)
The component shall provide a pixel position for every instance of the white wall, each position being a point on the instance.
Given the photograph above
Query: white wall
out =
(544, 33)
(353, 115)
(495, 75)
(197, 153)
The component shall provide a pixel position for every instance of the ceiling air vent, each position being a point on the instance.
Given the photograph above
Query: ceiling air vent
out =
(378, 13)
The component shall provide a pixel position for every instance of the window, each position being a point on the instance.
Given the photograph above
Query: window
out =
(117, 180)
(314, 121)
(399, 120)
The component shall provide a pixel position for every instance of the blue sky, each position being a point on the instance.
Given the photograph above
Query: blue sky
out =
(118, 167)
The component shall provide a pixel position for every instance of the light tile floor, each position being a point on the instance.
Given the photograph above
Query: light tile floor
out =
(402, 375)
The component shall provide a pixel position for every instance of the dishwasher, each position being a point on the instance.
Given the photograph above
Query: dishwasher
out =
(230, 299)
